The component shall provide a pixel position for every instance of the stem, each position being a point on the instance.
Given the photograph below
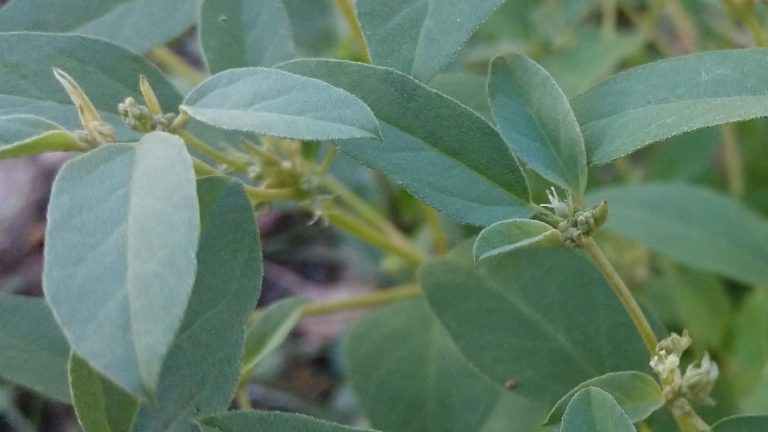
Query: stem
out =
(202, 169)
(622, 292)
(732, 161)
(260, 195)
(375, 237)
(608, 16)
(172, 62)
(348, 12)
(360, 206)
(376, 298)
(244, 398)
(217, 155)
(439, 238)
(327, 160)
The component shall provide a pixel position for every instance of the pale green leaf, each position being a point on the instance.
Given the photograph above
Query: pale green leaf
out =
(638, 395)
(742, 424)
(271, 329)
(593, 410)
(120, 261)
(107, 73)
(240, 33)
(24, 135)
(202, 368)
(33, 351)
(101, 406)
(535, 118)
(440, 151)
(514, 234)
(692, 225)
(669, 97)
(138, 25)
(545, 307)
(249, 421)
(419, 37)
(410, 377)
(277, 103)
(749, 346)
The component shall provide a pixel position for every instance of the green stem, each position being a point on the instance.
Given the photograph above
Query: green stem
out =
(172, 62)
(211, 152)
(202, 169)
(261, 195)
(732, 161)
(374, 236)
(439, 239)
(327, 160)
(608, 17)
(358, 205)
(376, 298)
(348, 12)
(622, 292)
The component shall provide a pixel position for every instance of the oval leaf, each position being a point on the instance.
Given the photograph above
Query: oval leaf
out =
(417, 373)
(669, 97)
(33, 351)
(593, 410)
(535, 118)
(249, 421)
(742, 424)
(271, 329)
(100, 405)
(277, 103)
(514, 234)
(419, 37)
(638, 395)
(107, 73)
(439, 150)
(693, 225)
(202, 369)
(138, 25)
(122, 229)
(24, 135)
(534, 306)
(240, 33)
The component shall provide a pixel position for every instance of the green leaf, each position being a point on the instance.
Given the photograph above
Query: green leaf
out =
(749, 349)
(742, 424)
(514, 234)
(471, 90)
(202, 368)
(593, 410)
(419, 37)
(638, 395)
(277, 103)
(23, 135)
(33, 351)
(440, 151)
(669, 97)
(107, 73)
(535, 119)
(240, 33)
(592, 56)
(692, 225)
(138, 25)
(410, 377)
(248, 421)
(545, 307)
(271, 329)
(122, 229)
(101, 406)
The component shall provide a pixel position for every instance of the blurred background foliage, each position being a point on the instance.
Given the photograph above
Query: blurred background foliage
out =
(579, 42)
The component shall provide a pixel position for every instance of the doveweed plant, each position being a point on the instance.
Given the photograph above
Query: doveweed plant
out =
(549, 282)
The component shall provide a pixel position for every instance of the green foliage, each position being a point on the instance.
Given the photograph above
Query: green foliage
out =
(110, 277)
(153, 262)
(419, 37)
(593, 410)
(535, 119)
(27, 87)
(100, 404)
(281, 104)
(478, 184)
(670, 97)
(692, 225)
(638, 395)
(240, 33)
(138, 25)
(33, 352)
(23, 135)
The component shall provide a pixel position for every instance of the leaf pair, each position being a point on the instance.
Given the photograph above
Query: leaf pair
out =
(151, 276)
